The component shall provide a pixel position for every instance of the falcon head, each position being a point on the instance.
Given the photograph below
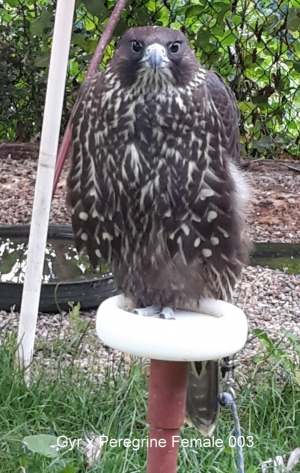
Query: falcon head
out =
(154, 54)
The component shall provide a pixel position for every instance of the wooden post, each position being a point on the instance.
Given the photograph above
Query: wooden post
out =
(44, 182)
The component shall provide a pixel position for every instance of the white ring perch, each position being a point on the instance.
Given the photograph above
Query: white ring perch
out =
(191, 336)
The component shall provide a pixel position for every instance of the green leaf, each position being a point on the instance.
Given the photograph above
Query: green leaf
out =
(151, 5)
(236, 20)
(73, 68)
(195, 10)
(229, 40)
(92, 44)
(213, 57)
(96, 8)
(89, 24)
(12, 3)
(219, 6)
(163, 15)
(263, 143)
(293, 24)
(80, 40)
(272, 22)
(251, 469)
(43, 60)
(23, 461)
(43, 444)
(260, 99)
(120, 28)
(246, 107)
(38, 26)
(218, 30)
(228, 450)
(203, 37)
(143, 16)
(224, 9)
(75, 311)
(293, 19)
(296, 65)
(181, 10)
(8, 261)
(296, 46)
(291, 336)
(68, 469)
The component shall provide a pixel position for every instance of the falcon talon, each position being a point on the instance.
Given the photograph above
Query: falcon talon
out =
(165, 317)
(167, 313)
(150, 311)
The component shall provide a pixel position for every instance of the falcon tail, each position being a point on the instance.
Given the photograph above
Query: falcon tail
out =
(202, 406)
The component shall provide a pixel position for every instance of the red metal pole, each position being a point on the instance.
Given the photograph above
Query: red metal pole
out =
(166, 412)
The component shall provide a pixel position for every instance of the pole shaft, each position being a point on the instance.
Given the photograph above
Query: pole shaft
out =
(162, 450)
(45, 174)
(166, 412)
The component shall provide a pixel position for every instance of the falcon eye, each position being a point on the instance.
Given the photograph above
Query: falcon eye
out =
(136, 46)
(174, 47)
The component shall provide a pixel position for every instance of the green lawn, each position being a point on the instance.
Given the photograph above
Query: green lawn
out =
(69, 403)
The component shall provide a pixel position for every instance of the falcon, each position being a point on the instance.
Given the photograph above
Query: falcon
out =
(155, 187)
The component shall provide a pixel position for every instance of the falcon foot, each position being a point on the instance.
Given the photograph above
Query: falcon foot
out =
(155, 311)
(150, 311)
(167, 313)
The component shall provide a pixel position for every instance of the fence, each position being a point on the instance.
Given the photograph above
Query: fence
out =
(254, 45)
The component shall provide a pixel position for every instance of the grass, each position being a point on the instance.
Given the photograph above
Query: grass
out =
(69, 403)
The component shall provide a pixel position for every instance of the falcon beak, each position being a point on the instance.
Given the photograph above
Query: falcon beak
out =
(155, 56)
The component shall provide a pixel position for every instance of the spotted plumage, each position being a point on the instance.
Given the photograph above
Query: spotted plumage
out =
(154, 185)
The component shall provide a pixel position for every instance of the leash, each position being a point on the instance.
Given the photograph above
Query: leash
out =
(226, 399)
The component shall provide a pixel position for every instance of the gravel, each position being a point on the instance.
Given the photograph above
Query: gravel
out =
(269, 298)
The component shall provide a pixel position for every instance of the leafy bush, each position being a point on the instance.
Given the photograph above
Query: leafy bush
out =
(253, 44)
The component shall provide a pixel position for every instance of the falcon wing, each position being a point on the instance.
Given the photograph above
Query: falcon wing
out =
(225, 103)
(84, 196)
(211, 192)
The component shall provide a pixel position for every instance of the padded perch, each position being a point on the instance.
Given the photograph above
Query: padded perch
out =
(190, 337)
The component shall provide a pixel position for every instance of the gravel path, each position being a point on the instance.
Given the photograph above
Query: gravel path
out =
(270, 298)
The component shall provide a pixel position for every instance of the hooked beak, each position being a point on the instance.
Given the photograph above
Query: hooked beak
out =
(155, 56)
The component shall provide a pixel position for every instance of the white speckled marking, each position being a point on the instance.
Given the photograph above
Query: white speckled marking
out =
(83, 216)
(106, 236)
(186, 229)
(224, 233)
(206, 193)
(197, 242)
(206, 252)
(212, 215)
